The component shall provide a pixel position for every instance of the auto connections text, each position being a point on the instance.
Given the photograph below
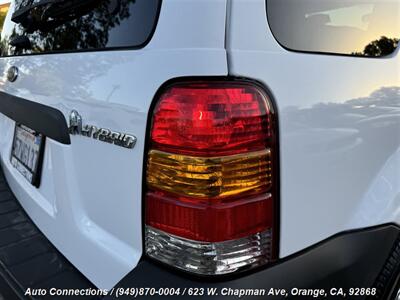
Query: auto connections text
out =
(229, 293)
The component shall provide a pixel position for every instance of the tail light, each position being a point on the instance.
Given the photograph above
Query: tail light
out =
(210, 198)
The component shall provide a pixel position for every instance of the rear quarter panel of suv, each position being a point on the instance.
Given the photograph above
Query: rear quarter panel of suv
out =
(339, 120)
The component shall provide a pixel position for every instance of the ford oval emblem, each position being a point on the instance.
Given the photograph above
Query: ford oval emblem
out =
(12, 74)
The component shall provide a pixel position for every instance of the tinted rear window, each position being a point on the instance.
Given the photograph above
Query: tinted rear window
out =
(75, 25)
(352, 27)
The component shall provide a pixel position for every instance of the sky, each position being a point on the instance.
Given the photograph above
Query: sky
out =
(4, 1)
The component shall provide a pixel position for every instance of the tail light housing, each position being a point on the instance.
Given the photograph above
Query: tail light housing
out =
(211, 197)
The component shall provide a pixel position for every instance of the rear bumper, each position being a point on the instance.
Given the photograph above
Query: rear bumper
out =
(368, 258)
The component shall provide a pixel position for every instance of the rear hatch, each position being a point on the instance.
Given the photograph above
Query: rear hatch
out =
(101, 63)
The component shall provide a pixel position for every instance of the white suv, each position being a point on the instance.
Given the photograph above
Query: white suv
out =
(164, 143)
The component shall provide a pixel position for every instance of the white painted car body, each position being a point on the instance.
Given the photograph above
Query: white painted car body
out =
(339, 125)
(339, 147)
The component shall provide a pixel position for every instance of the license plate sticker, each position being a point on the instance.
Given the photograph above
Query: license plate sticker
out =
(26, 153)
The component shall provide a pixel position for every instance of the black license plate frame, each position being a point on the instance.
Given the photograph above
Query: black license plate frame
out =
(27, 153)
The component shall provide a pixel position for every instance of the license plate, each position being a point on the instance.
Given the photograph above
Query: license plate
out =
(27, 153)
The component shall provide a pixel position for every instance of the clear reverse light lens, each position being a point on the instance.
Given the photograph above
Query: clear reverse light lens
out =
(209, 258)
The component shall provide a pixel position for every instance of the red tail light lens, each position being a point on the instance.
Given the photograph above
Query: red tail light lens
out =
(209, 222)
(210, 182)
(204, 120)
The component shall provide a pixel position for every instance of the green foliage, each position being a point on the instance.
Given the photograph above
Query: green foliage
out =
(382, 47)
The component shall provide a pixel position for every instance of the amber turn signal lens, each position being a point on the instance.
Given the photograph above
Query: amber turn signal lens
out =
(205, 177)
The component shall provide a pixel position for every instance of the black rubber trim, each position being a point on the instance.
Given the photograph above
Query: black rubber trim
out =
(351, 259)
(42, 118)
(387, 283)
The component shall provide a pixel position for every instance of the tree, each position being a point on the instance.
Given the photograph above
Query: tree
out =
(382, 47)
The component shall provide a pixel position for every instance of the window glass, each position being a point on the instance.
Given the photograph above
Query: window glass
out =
(3, 12)
(38, 26)
(352, 27)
